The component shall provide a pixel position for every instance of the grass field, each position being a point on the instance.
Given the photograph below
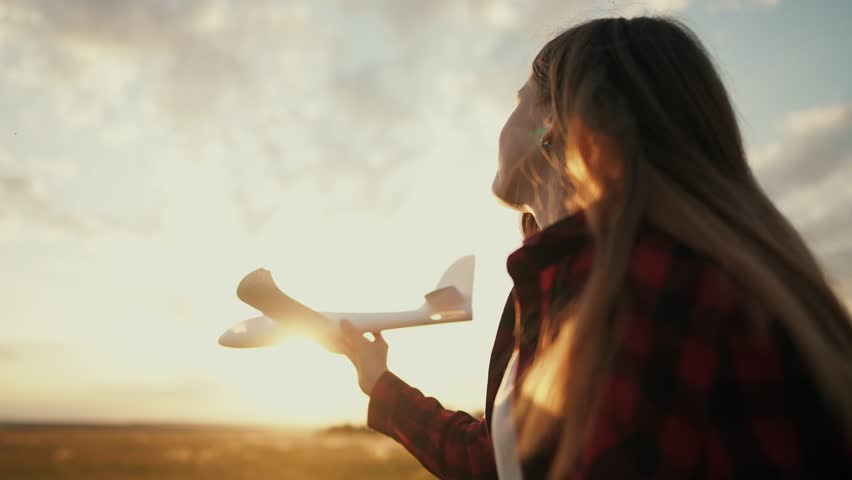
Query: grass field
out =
(29, 452)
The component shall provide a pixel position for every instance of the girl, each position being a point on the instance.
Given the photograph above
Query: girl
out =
(666, 320)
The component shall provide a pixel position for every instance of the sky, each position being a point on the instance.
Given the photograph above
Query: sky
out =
(153, 153)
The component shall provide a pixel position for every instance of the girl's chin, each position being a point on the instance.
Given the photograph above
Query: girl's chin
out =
(506, 196)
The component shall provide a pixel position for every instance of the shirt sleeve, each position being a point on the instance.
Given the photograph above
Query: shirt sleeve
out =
(450, 444)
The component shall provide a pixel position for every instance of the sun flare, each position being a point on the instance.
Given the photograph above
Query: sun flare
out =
(298, 378)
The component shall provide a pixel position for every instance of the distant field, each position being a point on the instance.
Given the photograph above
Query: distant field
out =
(189, 453)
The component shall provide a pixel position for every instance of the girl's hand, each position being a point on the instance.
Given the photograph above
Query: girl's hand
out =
(370, 358)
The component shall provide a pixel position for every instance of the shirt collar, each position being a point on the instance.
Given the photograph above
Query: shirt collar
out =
(571, 226)
(545, 248)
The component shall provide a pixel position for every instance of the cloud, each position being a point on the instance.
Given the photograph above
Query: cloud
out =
(129, 101)
(667, 5)
(815, 145)
(145, 96)
(132, 101)
(817, 119)
(20, 200)
(739, 5)
(807, 172)
(119, 105)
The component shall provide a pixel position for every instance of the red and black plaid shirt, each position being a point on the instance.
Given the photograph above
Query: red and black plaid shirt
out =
(694, 391)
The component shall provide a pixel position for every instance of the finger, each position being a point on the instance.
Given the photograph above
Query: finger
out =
(378, 338)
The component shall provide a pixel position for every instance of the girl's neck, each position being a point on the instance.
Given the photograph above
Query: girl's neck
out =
(551, 202)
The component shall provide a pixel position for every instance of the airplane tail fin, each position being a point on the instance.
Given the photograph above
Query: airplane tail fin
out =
(455, 286)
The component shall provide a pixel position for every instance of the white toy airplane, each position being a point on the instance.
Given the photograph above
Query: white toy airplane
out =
(451, 301)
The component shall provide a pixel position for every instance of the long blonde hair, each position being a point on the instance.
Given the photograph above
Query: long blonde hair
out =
(649, 84)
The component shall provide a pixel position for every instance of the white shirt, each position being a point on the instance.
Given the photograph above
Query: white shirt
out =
(503, 435)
